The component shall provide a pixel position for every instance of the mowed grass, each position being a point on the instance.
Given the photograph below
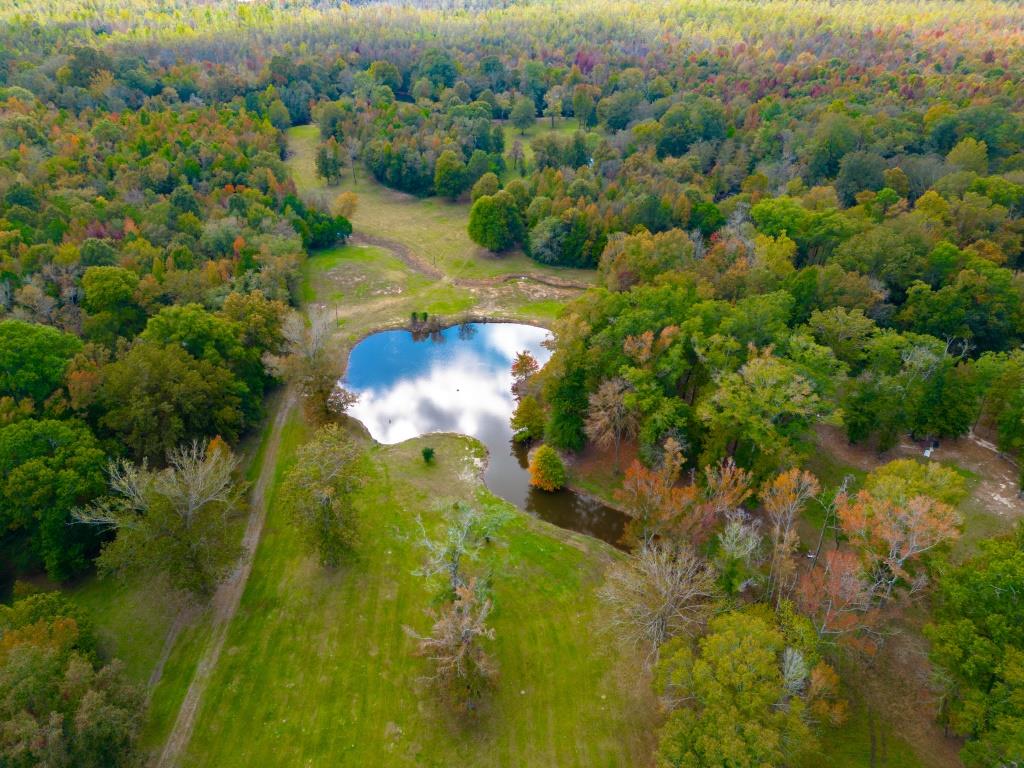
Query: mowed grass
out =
(433, 228)
(318, 671)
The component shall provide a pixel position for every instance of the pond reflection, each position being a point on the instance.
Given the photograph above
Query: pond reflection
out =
(460, 380)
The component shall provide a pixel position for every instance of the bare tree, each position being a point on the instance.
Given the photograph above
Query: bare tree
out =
(609, 420)
(454, 645)
(174, 521)
(466, 532)
(660, 592)
(308, 363)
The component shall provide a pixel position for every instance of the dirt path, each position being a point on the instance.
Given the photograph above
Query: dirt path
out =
(226, 599)
(185, 617)
(996, 491)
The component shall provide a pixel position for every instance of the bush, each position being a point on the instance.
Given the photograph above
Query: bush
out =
(547, 471)
(428, 455)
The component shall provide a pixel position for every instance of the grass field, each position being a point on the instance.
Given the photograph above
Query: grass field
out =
(433, 228)
(318, 670)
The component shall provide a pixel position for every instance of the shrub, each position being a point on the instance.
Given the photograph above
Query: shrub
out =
(547, 471)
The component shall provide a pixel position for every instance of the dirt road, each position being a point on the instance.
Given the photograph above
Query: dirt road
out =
(228, 595)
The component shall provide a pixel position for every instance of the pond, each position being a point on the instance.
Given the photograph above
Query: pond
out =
(460, 380)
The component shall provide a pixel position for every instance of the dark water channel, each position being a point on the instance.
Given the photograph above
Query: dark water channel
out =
(459, 380)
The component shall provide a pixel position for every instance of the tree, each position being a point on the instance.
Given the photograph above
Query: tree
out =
(784, 498)
(547, 471)
(553, 103)
(661, 508)
(386, 73)
(609, 420)
(859, 171)
(759, 414)
(175, 522)
(47, 468)
(740, 694)
(584, 104)
(449, 175)
(488, 184)
(495, 222)
(158, 397)
(976, 641)
(60, 707)
(308, 363)
(903, 479)
(110, 300)
(970, 155)
(33, 359)
(893, 533)
(258, 320)
(524, 112)
(278, 115)
(660, 592)
(215, 339)
(462, 667)
(839, 598)
(319, 490)
(345, 204)
(528, 420)
(524, 368)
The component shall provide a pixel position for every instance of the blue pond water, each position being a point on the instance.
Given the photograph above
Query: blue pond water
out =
(459, 380)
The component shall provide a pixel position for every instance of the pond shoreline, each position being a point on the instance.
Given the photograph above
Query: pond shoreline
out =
(459, 383)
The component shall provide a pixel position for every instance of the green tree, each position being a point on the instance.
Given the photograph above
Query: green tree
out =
(976, 639)
(584, 104)
(175, 522)
(523, 113)
(386, 73)
(528, 420)
(214, 339)
(319, 490)
(553, 103)
(449, 175)
(110, 300)
(33, 359)
(278, 115)
(495, 222)
(156, 398)
(759, 414)
(970, 155)
(488, 184)
(739, 707)
(47, 468)
(859, 171)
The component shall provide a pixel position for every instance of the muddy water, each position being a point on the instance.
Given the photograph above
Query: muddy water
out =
(459, 380)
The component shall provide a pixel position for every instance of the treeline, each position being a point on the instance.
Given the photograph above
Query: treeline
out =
(147, 261)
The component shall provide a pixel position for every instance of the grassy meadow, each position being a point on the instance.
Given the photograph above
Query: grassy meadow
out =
(319, 660)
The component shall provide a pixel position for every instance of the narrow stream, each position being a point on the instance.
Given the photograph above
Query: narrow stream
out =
(459, 380)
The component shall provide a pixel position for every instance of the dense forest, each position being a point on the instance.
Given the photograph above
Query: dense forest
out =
(794, 215)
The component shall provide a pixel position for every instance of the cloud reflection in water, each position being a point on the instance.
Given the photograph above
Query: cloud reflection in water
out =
(461, 381)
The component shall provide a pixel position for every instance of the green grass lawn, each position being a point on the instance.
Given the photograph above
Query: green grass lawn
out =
(317, 669)
(432, 227)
